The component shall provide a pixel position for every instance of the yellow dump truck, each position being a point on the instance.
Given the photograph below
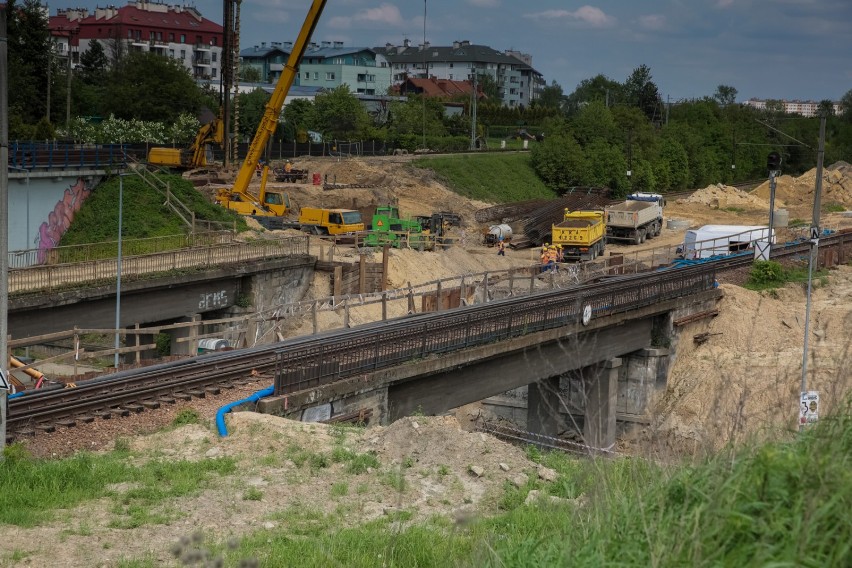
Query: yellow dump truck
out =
(581, 234)
(330, 221)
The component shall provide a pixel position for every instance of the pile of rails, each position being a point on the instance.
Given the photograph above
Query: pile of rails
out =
(540, 216)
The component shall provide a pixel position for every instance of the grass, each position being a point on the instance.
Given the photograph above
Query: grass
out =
(833, 208)
(143, 214)
(32, 490)
(780, 504)
(769, 275)
(499, 178)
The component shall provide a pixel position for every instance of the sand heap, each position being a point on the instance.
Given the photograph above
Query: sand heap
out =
(721, 196)
(795, 191)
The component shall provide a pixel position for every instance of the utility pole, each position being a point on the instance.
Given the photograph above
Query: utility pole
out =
(473, 116)
(226, 79)
(4, 230)
(425, 74)
(812, 259)
(68, 89)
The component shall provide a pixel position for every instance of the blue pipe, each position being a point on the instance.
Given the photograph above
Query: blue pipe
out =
(220, 414)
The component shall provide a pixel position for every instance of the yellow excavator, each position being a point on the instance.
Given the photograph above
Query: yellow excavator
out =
(269, 203)
(196, 155)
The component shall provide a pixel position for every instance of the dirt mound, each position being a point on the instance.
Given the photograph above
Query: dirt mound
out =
(721, 196)
(799, 191)
(745, 382)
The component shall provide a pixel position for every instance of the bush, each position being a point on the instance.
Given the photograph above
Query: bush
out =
(766, 273)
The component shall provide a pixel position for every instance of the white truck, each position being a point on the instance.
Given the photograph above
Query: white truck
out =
(637, 218)
(715, 240)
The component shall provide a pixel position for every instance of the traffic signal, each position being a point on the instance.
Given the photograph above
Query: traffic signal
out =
(773, 161)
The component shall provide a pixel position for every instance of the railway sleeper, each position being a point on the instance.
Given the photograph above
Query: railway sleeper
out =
(85, 418)
(167, 399)
(46, 427)
(150, 404)
(121, 411)
(23, 433)
(183, 396)
(213, 390)
(198, 393)
(67, 422)
(137, 408)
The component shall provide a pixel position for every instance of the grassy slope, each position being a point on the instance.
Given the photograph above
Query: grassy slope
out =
(144, 214)
(497, 178)
(780, 504)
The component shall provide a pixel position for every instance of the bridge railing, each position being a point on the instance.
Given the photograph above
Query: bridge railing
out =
(59, 155)
(355, 353)
(50, 277)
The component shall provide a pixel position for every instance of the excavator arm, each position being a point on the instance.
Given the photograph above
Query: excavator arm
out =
(273, 107)
(211, 133)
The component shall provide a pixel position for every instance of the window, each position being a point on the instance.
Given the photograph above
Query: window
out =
(213, 56)
(316, 75)
(171, 37)
(198, 40)
(183, 38)
(160, 36)
(183, 54)
(307, 74)
(214, 71)
(329, 76)
(151, 35)
(213, 41)
(451, 65)
(130, 34)
(172, 53)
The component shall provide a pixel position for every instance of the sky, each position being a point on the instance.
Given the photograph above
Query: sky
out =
(766, 49)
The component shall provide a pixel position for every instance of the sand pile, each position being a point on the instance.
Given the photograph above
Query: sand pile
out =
(799, 191)
(745, 382)
(721, 196)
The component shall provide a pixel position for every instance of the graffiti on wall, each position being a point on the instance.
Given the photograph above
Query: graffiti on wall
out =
(60, 218)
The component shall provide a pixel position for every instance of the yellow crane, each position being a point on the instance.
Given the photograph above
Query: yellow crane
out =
(239, 197)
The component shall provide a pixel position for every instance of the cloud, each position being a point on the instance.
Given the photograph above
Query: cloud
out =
(652, 22)
(484, 3)
(724, 3)
(383, 15)
(588, 16)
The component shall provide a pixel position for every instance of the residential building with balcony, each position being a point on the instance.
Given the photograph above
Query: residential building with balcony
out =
(804, 108)
(269, 61)
(330, 65)
(518, 83)
(179, 32)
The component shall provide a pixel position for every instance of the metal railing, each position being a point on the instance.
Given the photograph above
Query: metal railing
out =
(349, 354)
(54, 155)
(55, 276)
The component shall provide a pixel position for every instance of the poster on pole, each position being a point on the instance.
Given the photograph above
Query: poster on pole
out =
(809, 408)
(4, 381)
(762, 250)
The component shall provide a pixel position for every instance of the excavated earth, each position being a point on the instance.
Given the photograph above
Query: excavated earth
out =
(740, 385)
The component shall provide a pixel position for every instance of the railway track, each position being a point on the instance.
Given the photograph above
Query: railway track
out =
(516, 436)
(307, 361)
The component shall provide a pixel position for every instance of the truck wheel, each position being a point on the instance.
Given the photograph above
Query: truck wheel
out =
(641, 237)
(636, 238)
(659, 230)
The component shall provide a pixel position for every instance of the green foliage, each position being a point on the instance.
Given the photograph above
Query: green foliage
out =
(498, 178)
(777, 505)
(338, 114)
(29, 55)
(407, 118)
(560, 162)
(252, 494)
(186, 416)
(833, 208)
(31, 490)
(147, 86)
(164, 344)
(144, 214)
(766, 273)
(355, 463)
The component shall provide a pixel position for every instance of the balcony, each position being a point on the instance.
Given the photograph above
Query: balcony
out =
(202, 62)
(139, 43)
(202, 47)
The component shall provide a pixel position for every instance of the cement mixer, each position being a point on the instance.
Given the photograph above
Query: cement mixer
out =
(497, 232)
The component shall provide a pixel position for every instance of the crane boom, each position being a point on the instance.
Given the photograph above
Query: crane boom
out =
(273, 107)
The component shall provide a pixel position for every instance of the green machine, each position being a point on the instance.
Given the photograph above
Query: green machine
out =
(388, 228)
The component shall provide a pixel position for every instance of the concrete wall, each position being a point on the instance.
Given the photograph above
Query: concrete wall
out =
(41, 208)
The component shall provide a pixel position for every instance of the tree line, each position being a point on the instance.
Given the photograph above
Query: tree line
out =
(605, 133)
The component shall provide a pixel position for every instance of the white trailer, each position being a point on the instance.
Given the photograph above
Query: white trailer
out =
(714, 240)
(638, 218)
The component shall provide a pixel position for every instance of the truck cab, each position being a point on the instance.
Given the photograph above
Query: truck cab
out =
(330, 221)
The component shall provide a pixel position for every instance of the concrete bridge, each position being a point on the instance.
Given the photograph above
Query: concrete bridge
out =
(587, 337)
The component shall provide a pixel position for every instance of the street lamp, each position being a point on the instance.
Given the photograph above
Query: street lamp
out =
(118, 267)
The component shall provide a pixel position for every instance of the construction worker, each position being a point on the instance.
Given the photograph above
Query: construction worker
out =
(560, 255)
(544, 258)
(501, 247)
(551, 258)
(288, 167)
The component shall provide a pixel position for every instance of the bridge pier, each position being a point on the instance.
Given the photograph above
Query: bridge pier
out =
(544, 405)
(601, 390)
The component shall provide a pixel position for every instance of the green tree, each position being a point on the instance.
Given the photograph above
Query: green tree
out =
(607, 166)
(487, 84)
(94, 64)
(725, 95)
(598, 88)
(551, 97)
(29, 56)
(408, 117)
(641, 92)
(559, 161)
(250, 74)
(846, 106)
(147, 86)
(338, 114)
(252, 107)
(595, 122)
(826, 108)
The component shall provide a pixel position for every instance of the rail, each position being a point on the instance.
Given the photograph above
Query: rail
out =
(350, 354)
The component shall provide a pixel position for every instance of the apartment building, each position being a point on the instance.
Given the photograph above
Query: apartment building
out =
(517, 81)
(326, 65)
(179, 32)
(804, 108)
